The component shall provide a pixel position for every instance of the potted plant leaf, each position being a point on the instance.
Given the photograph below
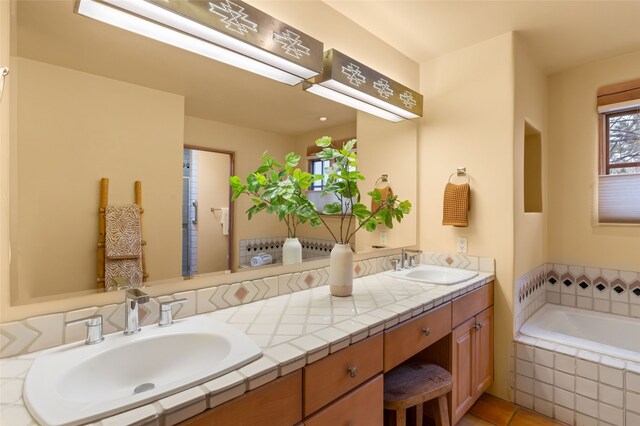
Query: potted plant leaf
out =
(279, 188)
(342, 179)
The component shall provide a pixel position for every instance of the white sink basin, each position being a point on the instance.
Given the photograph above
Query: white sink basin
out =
(434, 274)
(78, 383)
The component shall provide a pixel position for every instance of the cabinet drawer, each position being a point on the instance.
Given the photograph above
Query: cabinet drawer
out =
(278, 403)
(360, 407)
(408, 338)
(471, 304)
(335, 375)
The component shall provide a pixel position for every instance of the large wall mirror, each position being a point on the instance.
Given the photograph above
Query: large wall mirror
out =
(91, 101)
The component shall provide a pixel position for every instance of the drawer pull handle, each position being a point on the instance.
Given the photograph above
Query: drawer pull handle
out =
(353, 371)
(477, 326)
(426, 331)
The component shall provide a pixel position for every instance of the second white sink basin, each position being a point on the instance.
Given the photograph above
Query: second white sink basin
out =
(77, 383)
(433, 274)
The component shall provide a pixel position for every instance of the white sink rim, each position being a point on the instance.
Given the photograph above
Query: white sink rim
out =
(48, 406)
(456, 275)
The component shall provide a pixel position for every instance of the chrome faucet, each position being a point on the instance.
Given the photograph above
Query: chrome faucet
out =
(133, 298)
(408, 258)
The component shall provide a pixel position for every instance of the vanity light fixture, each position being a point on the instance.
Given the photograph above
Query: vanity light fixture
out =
(228, 31)
(351, 83)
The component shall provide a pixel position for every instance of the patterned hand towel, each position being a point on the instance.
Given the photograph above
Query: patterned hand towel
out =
(456, 205)
(123, 244)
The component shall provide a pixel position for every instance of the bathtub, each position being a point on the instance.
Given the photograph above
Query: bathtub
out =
(607, 334)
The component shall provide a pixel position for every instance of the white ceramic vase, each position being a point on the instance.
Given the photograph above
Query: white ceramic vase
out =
(291, 251)
(341, 267)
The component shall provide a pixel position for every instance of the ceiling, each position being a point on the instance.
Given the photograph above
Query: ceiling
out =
(50, 31)
(560, 34)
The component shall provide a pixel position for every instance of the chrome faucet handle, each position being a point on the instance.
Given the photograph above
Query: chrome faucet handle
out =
(395, 264)
(94, 328)
(166, 314)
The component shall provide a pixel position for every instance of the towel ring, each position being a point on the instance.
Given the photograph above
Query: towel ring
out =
(461, 171)
(382, 179)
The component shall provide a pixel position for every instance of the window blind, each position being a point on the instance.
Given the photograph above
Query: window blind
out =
(619, 198)
(616, 96)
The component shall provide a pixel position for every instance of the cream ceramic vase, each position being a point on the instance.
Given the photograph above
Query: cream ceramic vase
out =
(291, 251)
(341, 270)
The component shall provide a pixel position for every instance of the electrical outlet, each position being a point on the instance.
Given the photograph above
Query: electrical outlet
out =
(383, 238)
(462, 245)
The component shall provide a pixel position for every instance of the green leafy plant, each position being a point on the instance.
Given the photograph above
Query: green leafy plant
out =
(342, 182)
(279, 189)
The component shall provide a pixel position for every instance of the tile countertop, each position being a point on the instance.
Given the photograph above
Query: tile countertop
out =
(293, 330)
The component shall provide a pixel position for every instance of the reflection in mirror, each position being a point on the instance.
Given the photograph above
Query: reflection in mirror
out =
(207, 232)
(91, 101)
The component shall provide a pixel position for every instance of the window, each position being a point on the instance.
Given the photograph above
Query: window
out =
(317, 167)
(619, 165)
(621, 142)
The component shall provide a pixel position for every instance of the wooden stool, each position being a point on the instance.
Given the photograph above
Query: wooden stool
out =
(413, 384)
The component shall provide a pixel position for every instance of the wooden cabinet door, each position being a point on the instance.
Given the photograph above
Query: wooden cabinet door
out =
(483, 337)
(462, 360)
(278, 403)
(360, 407)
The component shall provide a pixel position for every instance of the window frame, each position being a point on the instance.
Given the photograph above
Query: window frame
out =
(605, 165)
(319, 184)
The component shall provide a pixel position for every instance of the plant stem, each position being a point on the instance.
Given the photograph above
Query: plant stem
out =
(329, 229)
(367, 220)
(341, 217)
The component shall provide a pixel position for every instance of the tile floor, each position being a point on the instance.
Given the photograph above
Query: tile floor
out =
(492, 411)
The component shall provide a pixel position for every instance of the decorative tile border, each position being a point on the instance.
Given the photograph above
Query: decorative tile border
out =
(602, 290)
(311, 248)
(462, 261)
(530, 295)
(47, 331)
(576, 387)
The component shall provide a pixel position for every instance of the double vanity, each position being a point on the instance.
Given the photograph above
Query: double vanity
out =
(302, 357)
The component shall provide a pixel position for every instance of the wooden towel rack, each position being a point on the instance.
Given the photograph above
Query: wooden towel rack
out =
(102, 229)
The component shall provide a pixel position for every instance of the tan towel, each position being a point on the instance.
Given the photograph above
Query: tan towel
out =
(123, 244)
(384, 193)
(456, 205)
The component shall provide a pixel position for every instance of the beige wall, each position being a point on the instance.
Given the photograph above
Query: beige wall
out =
(213, 192)
(574, 237)
(530, 103)
(391, 148)
(469, 122)
(335, 30)
(5, 168)
(248, 146)
(74, 128)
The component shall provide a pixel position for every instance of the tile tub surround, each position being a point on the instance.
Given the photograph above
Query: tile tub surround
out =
(529, 294)
(293, 329)
(574, 386)
(597, 289)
